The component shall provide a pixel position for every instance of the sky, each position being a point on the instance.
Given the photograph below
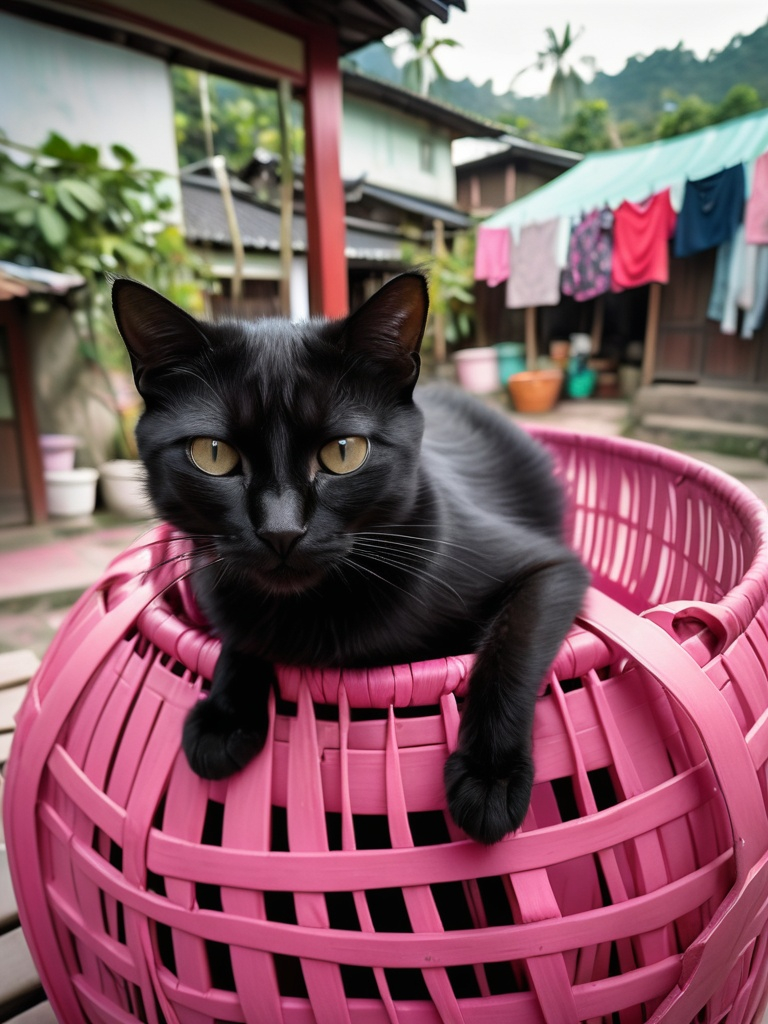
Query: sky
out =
(501, 37)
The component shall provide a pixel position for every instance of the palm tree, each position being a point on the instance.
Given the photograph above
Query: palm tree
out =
(422, 67)
(566, 84)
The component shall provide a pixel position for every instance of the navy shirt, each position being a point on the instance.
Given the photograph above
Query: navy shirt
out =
(712, 210)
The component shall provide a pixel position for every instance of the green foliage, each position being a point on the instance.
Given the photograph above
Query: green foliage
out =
(65, 210)
(590, 129)
(739, 100)
(688, 115)
(243, 118)
(692, 112)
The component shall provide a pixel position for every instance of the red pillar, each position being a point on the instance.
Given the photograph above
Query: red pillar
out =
(324, 192)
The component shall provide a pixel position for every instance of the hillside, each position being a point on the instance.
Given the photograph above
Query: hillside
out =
(637, 93)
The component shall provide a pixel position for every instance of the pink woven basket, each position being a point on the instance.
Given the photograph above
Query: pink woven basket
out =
(325, 882)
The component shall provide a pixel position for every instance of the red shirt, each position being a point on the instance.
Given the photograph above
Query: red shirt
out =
(641, 232)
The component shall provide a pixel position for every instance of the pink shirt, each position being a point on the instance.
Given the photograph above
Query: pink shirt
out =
(756, 212)
(492, 255)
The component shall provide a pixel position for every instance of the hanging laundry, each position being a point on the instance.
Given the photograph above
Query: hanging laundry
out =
(734, 282)
(534, 276)
(756, 213)
(492, 255)
(641, 233)
(712, 210)
(590, 254)
(755, 316)
(719, 289)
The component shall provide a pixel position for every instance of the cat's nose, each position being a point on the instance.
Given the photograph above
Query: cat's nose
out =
(282, 542)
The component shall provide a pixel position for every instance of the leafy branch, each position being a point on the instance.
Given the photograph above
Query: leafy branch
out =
(66, 210)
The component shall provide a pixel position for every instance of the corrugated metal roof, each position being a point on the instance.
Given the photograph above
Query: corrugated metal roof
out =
(206, 222)
(450, 216)
(634, 174)
(39, 279)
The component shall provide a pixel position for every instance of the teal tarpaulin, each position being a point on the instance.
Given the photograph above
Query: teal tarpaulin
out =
(607, 179)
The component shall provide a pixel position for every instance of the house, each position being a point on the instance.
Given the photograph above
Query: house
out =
(398, 182)
(681, 344)
(511, 170)
(80, 67)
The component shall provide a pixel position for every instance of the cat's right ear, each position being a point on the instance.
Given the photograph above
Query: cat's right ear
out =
(156, 332)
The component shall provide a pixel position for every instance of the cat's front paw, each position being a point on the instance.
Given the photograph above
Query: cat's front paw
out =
(217, 741)
(484, 806)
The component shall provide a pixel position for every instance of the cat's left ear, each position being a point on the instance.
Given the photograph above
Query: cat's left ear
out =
(390, 325)
(156, 332)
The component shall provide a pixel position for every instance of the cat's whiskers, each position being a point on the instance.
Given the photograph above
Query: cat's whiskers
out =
(366, 569)
(185, 575)
(401, 543)
(410, 568)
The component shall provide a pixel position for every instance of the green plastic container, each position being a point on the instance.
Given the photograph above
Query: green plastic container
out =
(511, 359)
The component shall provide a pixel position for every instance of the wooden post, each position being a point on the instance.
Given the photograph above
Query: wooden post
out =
(651, 334)
(205, 111)
(531, 340)
(323, 188)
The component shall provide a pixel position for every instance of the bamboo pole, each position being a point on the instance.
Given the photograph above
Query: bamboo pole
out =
(220, 170)
(438, 317)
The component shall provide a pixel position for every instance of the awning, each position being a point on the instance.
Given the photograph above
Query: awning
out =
(634, 174)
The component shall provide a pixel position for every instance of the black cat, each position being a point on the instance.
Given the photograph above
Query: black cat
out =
(342, 519)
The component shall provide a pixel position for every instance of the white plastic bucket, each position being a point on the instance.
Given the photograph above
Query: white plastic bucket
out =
(71, 492)
(123, 485)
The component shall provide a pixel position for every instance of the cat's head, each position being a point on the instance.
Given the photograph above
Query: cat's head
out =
(278, 441)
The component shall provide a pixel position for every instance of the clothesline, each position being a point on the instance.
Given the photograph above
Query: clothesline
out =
(627, 247)
(633, 174)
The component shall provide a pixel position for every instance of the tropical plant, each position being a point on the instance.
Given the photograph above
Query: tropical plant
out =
(66, 210)
(566, 84)
(422, 66)
(451, 272)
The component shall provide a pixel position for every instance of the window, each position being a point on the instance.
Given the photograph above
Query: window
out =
(426, 156)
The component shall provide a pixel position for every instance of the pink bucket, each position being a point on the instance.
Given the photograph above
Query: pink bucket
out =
(58, 451)
(477, 370)
(326, 883)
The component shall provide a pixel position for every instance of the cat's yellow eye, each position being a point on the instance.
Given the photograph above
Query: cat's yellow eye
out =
(344, 454)
(214, 457)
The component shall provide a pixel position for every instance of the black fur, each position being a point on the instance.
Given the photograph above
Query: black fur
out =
(447, 539)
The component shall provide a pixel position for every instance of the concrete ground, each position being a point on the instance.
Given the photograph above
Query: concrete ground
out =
(44, 569)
